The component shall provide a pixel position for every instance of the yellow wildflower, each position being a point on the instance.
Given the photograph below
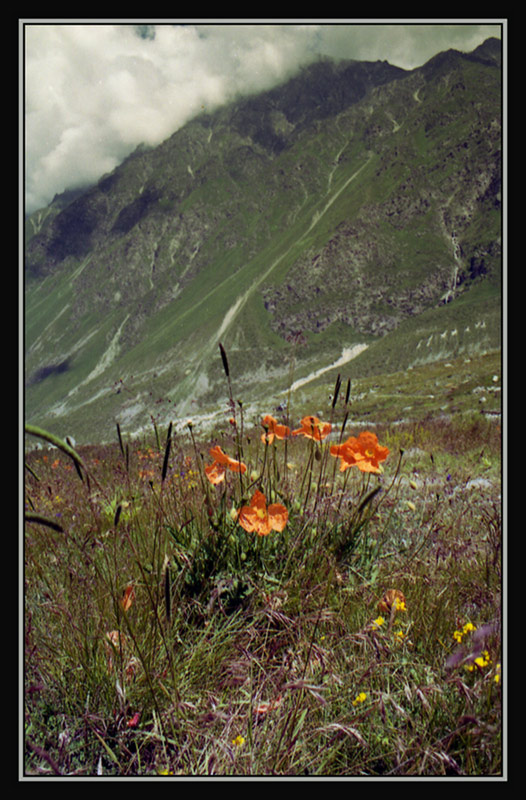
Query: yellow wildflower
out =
(467, 628)
(238, 741)
(392, 601)
(481, 661)
(360, 698)
(484, 660)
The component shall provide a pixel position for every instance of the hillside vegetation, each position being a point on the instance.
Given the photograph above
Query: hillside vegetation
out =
(370, 217)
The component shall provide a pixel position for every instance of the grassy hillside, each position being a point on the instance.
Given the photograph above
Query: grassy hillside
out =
(375, 225)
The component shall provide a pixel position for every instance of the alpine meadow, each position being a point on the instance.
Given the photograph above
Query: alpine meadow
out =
(263, 440)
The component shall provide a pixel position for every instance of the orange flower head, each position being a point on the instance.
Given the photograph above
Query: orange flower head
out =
(313, 428)
(364, 452)
(347, 455)
(273, 429)
(372, 452)
(215, 472)
(261, 519)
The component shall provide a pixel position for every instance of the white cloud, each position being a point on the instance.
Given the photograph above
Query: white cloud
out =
(405, 45)
(93, 92)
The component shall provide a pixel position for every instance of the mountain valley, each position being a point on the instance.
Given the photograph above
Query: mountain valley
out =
(349, 220)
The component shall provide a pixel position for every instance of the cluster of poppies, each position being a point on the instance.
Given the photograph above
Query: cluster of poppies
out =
(363, 452)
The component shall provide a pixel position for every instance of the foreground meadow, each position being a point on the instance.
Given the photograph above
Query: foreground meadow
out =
(285, 597)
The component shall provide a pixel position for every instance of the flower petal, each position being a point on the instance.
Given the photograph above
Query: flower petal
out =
(221, 458)
(215, 472)
(218, 455)
(278, 516)
(247, 518)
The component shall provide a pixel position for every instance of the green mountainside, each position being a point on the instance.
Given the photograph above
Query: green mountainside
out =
(349, 219)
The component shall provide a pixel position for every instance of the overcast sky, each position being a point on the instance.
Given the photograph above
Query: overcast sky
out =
(94, 91)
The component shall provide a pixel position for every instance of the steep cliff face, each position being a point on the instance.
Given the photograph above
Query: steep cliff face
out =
(338, 207)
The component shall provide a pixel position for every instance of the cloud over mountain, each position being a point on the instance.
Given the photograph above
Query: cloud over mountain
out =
(94, 92)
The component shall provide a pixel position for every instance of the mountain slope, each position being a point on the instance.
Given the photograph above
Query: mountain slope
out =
(356, 209)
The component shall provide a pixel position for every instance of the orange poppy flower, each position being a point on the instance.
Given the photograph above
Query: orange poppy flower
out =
(273, 429)
(313, 428)
(260, 518)
(349, 457)
(363, 452)
(215, 472)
